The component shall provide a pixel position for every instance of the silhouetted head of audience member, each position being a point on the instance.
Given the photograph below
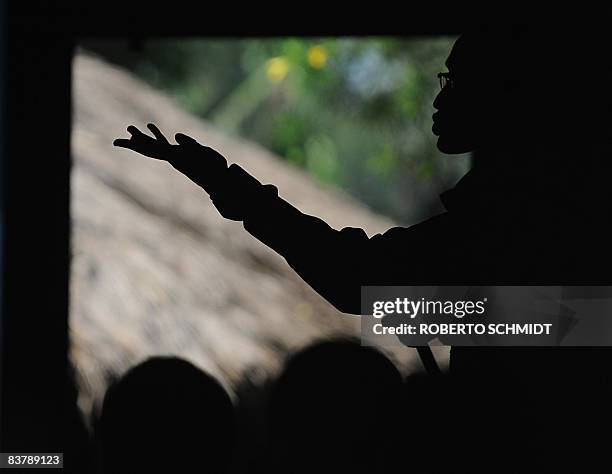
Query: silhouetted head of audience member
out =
(165, 414)
(331, 406)
(512, 86)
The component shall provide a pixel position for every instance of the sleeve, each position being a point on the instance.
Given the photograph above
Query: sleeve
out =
(337, 263)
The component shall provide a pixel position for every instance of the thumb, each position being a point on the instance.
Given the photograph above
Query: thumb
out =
(183, 139)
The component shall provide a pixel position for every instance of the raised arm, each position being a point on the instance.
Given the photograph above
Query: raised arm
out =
(336, 263)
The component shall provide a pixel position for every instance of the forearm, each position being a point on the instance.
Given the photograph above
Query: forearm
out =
(329, 260)
(325, 258)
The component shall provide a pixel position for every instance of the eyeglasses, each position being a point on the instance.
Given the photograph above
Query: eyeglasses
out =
(445, 79)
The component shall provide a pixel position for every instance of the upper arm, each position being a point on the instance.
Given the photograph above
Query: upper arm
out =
(418, 254)
(338, 263)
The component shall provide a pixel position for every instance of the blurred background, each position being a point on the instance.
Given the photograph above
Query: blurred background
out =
(354, 112)
(342, 126)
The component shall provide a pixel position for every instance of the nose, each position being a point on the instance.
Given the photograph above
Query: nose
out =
(440, 98)
(436, 102)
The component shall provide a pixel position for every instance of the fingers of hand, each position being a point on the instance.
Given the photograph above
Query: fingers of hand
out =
(157, 133)
(139, 142)
(123, 142)
(136, 140)
(132, 130)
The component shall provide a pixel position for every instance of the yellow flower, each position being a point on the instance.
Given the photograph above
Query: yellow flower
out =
(277, 69)
(317, 57)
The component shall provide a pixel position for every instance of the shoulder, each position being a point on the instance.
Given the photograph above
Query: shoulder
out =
(426, 230)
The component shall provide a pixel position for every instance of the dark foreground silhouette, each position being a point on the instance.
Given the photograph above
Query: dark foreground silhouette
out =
(166, 415)
(329, 408)
(338, 407)
(534, 209)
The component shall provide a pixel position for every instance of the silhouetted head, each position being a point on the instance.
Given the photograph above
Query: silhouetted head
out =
(331, 405)
(166, 415)
(509, 86)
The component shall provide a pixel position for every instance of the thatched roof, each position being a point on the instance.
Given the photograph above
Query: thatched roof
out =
(156, 270)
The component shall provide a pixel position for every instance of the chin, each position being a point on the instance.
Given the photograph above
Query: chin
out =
(452, 145)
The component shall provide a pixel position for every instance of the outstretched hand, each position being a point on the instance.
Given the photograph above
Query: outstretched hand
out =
(203, 165)
(158, 147)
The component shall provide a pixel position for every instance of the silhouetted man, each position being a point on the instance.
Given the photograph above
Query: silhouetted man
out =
(533, 210)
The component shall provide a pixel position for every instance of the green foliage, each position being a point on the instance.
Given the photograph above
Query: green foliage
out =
(355, 112)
